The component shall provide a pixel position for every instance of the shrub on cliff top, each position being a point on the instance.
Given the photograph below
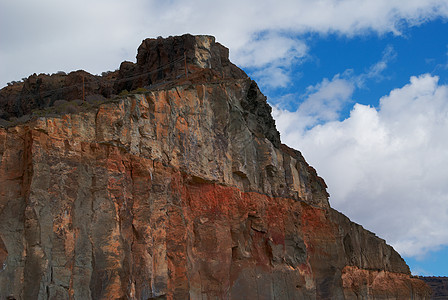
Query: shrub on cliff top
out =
(140, 90)
(123, 93)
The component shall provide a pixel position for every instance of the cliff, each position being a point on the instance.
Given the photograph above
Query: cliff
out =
(182, 190)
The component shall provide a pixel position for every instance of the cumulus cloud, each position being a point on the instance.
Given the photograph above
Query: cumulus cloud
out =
(321, 103)
(48, 35)
(324, 101)
(270, 48)
(270, 55)
(272, 76)
(386, 168)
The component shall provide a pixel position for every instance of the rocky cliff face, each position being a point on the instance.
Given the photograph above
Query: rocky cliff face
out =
(183, 191)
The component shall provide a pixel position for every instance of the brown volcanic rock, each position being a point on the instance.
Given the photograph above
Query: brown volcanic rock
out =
(376, 284)
(165, 59)
(181, 192)
(159, 61)
(41, 91)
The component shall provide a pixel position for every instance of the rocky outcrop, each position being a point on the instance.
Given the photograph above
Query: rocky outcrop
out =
(159, 62)
(180, 192)
(379, 284)
(438, 285)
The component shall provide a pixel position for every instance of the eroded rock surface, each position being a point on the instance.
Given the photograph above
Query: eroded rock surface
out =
(159, 62)
(183, 192)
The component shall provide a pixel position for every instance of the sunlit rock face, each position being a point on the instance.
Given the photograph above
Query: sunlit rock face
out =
(183, 191)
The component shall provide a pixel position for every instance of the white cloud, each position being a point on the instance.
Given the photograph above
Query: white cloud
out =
(48, 35)
(270, 55)
(376, 70)
(386, 168)
(270, 49)
(272, 77)
(324, 101)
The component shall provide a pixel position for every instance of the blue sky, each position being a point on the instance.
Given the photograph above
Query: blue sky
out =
(360, 87)
(418, 50)
(434, 263)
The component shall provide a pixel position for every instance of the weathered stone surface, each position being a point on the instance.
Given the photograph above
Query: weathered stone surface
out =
(379, 284)
(165, 59)
(181, 192)
(41, 91)
(159, 62)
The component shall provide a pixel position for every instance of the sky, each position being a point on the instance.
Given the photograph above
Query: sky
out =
(360, 87)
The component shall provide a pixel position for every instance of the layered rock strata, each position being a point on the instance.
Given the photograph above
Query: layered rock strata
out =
(182, 192)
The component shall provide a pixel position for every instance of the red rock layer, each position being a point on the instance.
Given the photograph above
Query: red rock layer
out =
(362, 284)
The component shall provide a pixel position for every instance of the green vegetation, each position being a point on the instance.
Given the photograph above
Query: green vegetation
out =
(140, 90)
(124, 93)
